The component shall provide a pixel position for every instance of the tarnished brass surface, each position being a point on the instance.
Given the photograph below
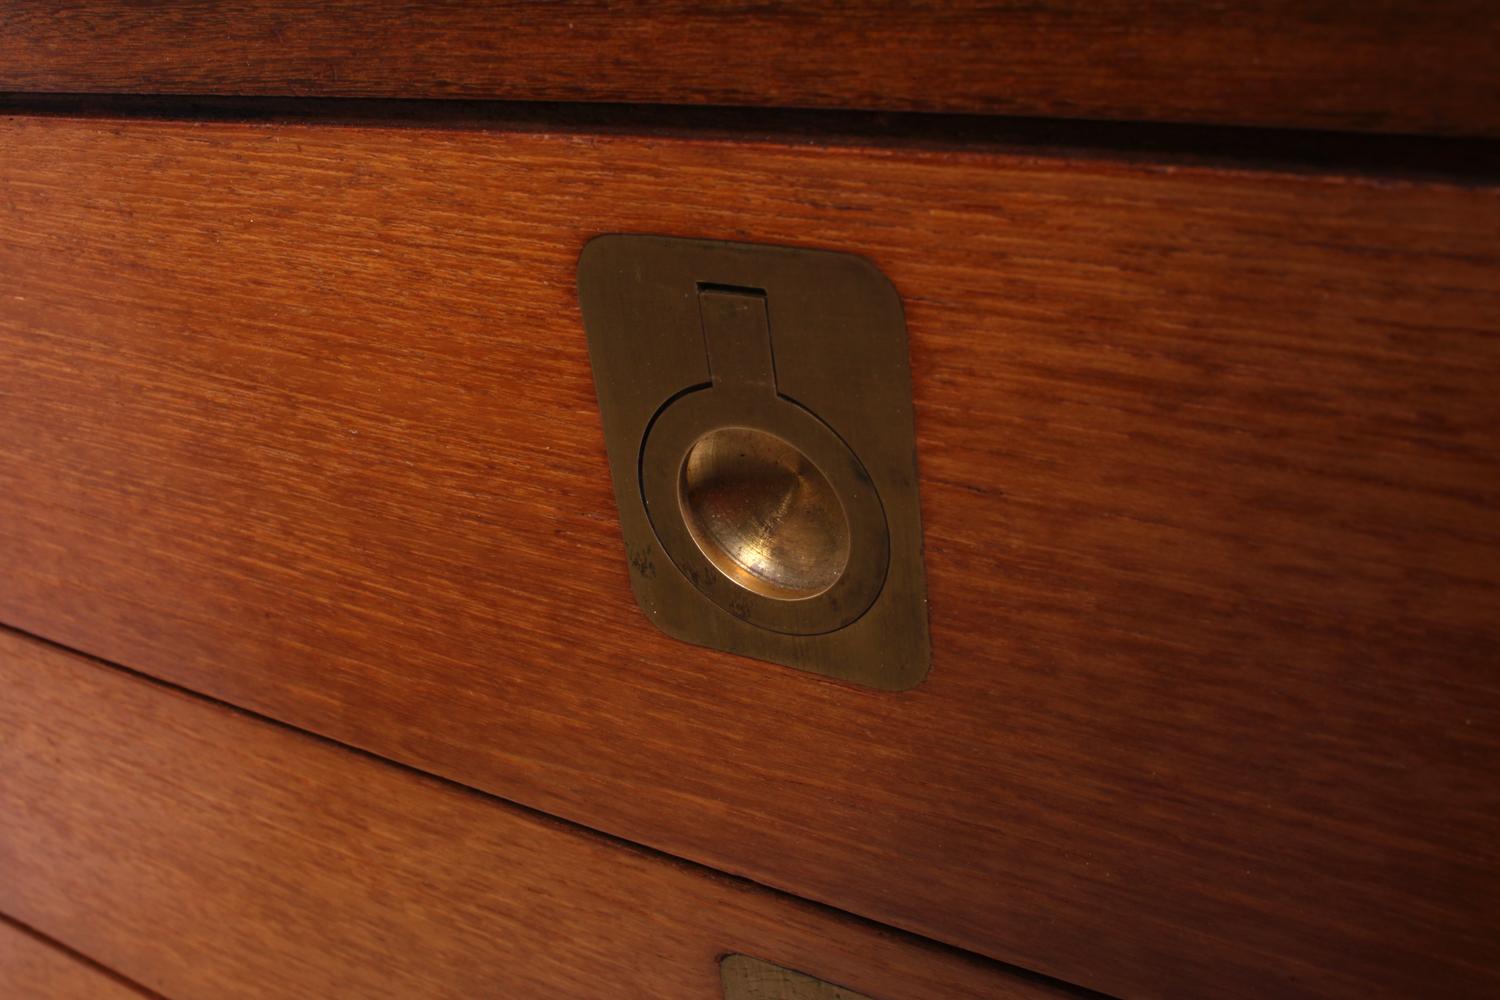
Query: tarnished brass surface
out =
(747, 978)
(763, 513)
(756, 406)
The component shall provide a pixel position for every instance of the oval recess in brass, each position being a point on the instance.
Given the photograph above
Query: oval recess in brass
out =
(669, 443)
(757, 410)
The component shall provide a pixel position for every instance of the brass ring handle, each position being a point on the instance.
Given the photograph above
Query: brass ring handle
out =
(758, 502)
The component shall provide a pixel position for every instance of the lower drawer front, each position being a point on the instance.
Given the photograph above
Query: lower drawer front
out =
(301, 416)
(202, 852)
(32, 968)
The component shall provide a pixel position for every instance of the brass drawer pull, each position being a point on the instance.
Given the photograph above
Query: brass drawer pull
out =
(757, 410)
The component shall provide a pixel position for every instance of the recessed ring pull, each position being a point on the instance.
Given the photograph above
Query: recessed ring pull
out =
(756, 406)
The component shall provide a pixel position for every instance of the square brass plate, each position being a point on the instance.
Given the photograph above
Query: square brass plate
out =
(757, 411)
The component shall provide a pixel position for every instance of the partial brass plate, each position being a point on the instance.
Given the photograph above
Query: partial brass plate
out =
(747, 978)
(757, 410)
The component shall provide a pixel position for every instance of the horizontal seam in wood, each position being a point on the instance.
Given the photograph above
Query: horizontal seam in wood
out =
(1463, 160)
(78, 956)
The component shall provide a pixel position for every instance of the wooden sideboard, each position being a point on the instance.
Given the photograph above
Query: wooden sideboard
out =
(323, 672)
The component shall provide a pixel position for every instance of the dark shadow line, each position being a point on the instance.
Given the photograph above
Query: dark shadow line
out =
(1394, 157)
(46, 940)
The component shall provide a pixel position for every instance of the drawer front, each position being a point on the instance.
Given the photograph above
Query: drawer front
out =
(1397, 65)
(206, 853)
(302, 417)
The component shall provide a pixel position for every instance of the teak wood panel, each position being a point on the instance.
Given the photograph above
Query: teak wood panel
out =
(35, 969)
(207, 853)
(301, 416)
(1384, 65)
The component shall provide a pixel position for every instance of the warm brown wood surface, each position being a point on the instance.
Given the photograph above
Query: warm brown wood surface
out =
(301, 416)
(35, 969)
(1386, 65)
(207, 853)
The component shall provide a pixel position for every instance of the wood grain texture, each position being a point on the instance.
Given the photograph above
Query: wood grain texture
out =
(32, 968)
(210, 854)
(301, 416)
(1385, 65)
